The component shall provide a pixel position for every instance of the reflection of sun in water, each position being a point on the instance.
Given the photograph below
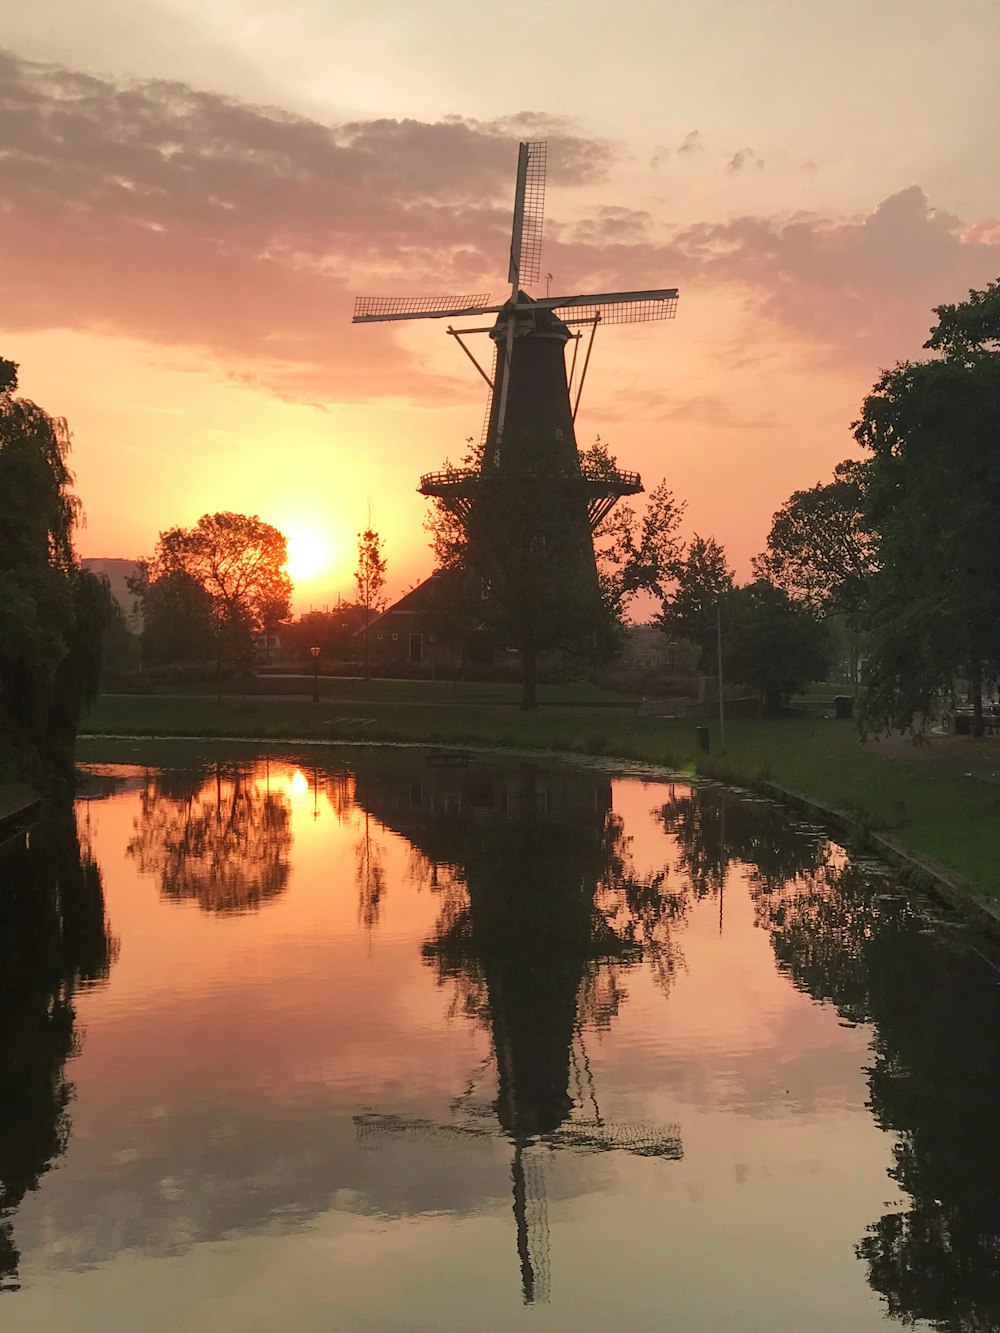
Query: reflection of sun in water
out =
(308, 554)
(299, 783)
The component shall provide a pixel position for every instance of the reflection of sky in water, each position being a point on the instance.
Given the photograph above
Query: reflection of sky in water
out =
(216, 1174)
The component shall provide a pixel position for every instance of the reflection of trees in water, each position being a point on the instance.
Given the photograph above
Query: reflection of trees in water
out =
(369, 875)
(53, 939)
(934, 1006)
(715, 828)
(222, 840)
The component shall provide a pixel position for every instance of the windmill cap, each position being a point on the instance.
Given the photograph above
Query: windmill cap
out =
(542, 317)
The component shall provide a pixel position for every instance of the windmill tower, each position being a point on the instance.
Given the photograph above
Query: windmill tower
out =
(530, 462)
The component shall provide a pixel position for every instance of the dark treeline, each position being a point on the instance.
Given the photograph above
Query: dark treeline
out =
(903, 546)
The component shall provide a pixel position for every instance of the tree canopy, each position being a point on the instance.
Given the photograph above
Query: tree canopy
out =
(933, 495)
(772, 643)
(238, 561)
(703, 581)
(819, 548)
(53, 614)
(369, 579)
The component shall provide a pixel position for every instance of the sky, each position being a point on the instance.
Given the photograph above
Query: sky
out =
(191, 197)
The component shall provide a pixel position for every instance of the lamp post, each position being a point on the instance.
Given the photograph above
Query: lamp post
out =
(315, 658)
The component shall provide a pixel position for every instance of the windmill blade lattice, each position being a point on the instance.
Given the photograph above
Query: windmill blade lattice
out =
(529, 214)
(368, 309)
(615, 307)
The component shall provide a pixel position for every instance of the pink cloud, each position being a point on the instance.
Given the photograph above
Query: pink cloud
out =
(156, 211)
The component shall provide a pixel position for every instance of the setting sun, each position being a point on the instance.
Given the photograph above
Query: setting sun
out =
(308, 555)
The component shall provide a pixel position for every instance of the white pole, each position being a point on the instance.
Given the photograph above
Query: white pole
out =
(718, 648)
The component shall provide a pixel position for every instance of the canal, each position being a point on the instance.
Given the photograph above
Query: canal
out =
(398, 1042)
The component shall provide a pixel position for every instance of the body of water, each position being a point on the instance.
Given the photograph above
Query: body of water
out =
(395, 1043)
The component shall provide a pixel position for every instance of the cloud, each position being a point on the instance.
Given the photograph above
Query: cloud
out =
(858, 291)
(156, 211)
(745, 157)
(857, 287)
(153, 210)
(611, 226)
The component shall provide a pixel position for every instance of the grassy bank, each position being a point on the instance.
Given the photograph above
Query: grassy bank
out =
(937, 813)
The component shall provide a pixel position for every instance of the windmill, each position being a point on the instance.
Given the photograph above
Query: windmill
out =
(529, 390)
(530, 509)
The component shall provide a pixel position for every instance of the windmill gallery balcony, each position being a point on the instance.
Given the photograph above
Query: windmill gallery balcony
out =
(601, 485)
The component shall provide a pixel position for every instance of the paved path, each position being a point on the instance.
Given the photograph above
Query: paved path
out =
(959, 756)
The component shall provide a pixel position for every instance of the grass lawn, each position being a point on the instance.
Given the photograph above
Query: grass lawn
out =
(931, 809)
(355, 689)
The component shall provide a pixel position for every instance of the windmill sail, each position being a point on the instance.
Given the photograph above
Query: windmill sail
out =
(369, 309)
(529, 214)
(615, 307)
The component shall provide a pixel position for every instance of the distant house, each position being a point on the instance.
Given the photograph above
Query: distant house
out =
(647, 646)
(415, 631)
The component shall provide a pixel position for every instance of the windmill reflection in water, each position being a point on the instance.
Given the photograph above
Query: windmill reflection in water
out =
(540, 909)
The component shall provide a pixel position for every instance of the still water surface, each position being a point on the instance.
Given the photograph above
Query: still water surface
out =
(390, 1045)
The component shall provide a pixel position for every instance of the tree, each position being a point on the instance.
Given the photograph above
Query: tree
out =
(238, 560)
(332, 632)
(969, 329)
(772, 643)
(703, 582)
(53, 614)
(819, 549)
(636, 554)
(178, 624)
(932, 496)
(369, 579)
(527, 544)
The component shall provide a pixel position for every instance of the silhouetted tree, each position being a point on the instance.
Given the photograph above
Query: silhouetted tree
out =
(53, 613)
(177, 617)
(932, 496)
(703, 582)
(820, 550)
(239, 562)
(638, 554)
(772, 643)
(369, 579)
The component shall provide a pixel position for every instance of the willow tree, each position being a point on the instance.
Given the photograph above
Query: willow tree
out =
(53, 614)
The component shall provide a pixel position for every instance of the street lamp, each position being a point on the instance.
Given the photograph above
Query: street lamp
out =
(315, 658)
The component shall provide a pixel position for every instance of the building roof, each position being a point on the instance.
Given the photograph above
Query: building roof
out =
(418, 600)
